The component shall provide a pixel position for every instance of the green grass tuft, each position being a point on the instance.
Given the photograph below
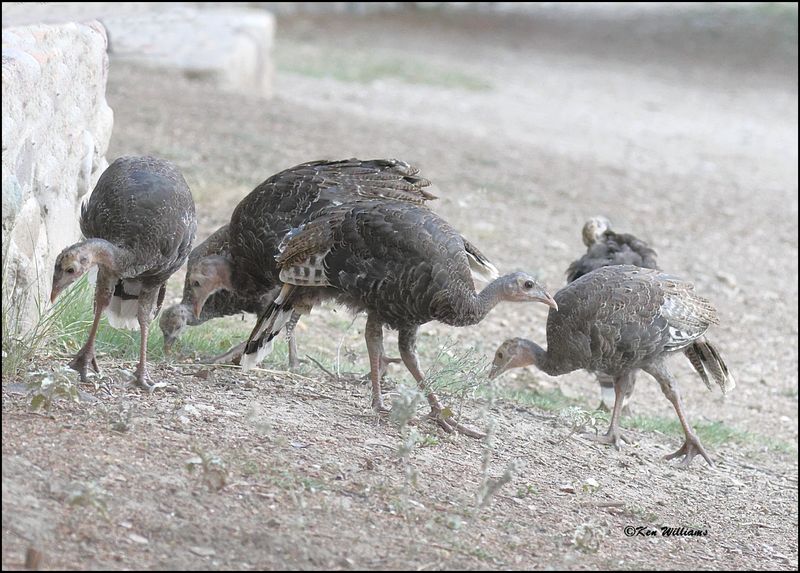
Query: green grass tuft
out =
(23, 339)
(712, 433)
(550, 401)
(454, 371)
(367, 67)
(73, 321)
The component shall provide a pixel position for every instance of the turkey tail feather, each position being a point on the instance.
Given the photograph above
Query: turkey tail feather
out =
(480, 267)
(706, 360)
(268, 326)
(123, 309)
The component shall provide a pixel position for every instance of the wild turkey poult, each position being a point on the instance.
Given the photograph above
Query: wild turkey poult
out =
(616, 320)
(139, 224)
(607, 248)
(287, 200)
(401, 263)
(221, 303)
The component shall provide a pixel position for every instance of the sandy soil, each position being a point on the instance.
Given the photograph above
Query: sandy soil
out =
(681, 128)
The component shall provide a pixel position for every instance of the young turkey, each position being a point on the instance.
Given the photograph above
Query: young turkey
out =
(287, 200)
(606, 248)
(221, 303)
(139, 224)
(619, 319)
(399, 262)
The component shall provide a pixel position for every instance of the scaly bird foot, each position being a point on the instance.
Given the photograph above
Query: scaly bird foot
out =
(82, 361)
(379, 406)
(449, 425)
(612, 438)
(690, 448)
(143, 381)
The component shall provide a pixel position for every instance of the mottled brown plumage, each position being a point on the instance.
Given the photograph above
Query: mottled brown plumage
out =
(287, 200)
(618, 319)
(139, 224)
(290, 198)
(221, 303)
(402, 264)
(606, 248)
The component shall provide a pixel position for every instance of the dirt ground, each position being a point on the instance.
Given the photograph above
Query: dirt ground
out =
(681, 127)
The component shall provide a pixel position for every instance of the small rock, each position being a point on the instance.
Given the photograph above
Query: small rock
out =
(203, 551)
(138, 539)
(591, 483)
(566, 488)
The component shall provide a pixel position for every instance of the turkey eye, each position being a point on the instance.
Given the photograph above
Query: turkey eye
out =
(196, 284)
(70, 271)
(528, 284)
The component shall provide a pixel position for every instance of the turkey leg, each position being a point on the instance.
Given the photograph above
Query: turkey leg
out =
(407, 339)
(294, 361)
(622, 387)
(144, 316)
(373, 333)
(691, 445)
(86, 356)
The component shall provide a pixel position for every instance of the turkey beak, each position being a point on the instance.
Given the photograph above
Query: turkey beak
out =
(55, 292)
(497, 369)
(544, 297)
(198, 308)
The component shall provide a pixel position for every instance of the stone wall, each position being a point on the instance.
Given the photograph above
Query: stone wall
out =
(56, 129)
(229, 46)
